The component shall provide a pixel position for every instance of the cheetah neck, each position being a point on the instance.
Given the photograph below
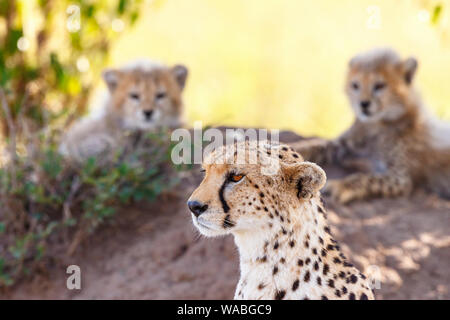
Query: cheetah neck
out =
(292, 259)
(412, 120)
(113, 121)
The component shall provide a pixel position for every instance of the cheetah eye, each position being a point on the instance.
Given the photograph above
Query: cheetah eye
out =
(134, 96)
(236, 177)
(202, 170)
(355, 85)
(379, 85)
(160, 95)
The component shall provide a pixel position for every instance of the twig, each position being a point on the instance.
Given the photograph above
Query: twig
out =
(79, 236)
(25, 130)
(12, 136)
(67, 213)
(10, 123)
(75, 186)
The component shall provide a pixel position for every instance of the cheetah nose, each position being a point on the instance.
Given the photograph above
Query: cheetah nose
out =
(148, 114)
(365, 104)
(197, 208)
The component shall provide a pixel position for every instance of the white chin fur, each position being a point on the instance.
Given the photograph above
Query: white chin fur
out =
(368, 118)
(137, 121)
(146, 125)
(206, 230)
(365, 118)
(141, 125)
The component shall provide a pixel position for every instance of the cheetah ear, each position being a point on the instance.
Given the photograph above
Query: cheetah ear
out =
(409, 67)
(352, 62)
(306, 178)
(180, 73)
(111, 78)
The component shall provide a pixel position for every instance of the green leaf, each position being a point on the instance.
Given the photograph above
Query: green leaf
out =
(122, 6)
(133, 18)
(18, 250)
(11, 40)
(6, 280)
(90, 166)
(125, 194)
(123, 169)
(436, 13)
(52, 164)
(4, 6)
(89, 11)
(107, 211)
(70, 222)
(58, 70)
(37, 215)
(5, 73)
(40, 249)
(49, 229)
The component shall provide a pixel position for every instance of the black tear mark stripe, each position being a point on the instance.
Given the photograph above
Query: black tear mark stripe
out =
(227, 223)
(299, 187)
(225, 206)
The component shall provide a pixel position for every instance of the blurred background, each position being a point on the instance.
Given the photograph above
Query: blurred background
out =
(275, 64)
(282, 64)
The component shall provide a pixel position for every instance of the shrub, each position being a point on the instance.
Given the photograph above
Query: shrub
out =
(47, 202)
(47, 71)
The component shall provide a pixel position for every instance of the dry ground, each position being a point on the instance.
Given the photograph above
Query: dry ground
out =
(153, 252)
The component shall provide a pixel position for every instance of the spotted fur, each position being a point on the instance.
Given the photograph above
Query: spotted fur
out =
(393, 142)
(142, 96)
(278, 222)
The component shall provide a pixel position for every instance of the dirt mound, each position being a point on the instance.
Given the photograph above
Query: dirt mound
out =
(154, 252)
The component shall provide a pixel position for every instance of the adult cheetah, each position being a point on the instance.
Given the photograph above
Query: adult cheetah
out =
(267, 197)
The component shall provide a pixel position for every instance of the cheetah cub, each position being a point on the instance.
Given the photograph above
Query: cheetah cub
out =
(393, 139)
(267, 197)
(143, 95)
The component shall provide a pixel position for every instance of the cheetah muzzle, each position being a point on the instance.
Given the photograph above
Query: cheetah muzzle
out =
(278, 223)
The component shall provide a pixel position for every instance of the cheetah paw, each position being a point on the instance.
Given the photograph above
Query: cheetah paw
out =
(337, 192)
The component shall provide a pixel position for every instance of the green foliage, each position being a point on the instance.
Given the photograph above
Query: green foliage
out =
(39, 66)
(436, 14)
(46, 76)
(45, 201)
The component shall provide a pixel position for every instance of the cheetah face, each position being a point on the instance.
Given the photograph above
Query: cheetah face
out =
(147, 100)
(237, 198)
(377, 89)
